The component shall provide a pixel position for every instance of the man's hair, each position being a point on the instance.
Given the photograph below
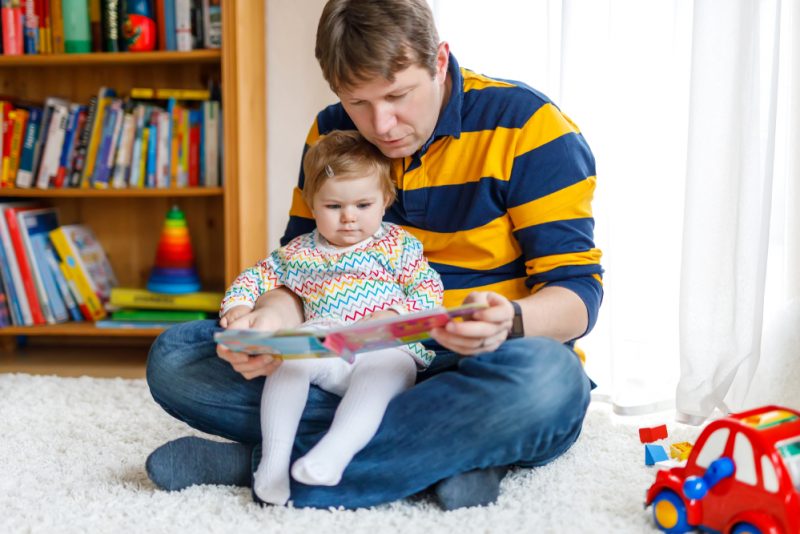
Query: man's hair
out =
(359, 39)
(342, 155)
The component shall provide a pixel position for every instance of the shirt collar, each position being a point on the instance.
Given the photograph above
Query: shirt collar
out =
(449, 123)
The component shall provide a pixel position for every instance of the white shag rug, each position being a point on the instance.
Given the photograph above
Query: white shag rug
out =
(72, 453)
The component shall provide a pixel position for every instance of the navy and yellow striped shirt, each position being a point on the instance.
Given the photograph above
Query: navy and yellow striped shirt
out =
(500, 196)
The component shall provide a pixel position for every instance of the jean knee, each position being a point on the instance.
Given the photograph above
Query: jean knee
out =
(548, 377)
(174, 350)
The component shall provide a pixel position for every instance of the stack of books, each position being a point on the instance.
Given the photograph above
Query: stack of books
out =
(140, 308)
(50, 273)
(152, 138)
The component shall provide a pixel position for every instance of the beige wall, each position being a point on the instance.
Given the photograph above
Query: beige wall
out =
(296, 91)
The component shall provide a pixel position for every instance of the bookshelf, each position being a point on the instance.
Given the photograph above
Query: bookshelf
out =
(227, 224)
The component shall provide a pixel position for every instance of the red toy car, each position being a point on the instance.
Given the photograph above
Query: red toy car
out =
(742, 476)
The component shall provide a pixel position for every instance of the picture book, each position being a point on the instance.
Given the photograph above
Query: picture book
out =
(344, 341)
(86, 262)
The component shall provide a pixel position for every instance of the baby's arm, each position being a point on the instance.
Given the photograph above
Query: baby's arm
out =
(421, 284)
(249, 303)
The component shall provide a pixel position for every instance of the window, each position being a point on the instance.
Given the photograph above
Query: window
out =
(714, 447)
(743, 460)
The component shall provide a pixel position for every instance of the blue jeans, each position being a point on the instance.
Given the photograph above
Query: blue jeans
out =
(524, 404)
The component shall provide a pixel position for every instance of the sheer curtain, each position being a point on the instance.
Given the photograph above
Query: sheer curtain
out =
(686, 107)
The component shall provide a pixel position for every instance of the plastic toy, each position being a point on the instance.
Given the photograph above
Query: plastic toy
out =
(680, 451)
(649, 435)
(742, 476)
(654, 453)
(174, 270)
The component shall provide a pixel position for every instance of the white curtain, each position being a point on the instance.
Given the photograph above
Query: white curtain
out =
(686, 106)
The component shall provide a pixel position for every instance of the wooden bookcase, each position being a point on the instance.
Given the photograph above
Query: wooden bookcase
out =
(227, 224)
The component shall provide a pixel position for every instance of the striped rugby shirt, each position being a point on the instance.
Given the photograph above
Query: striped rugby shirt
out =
(500, 195)
(346, 284)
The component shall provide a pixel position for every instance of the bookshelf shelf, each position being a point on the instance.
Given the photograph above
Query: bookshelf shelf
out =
(112, 58)
(83, 329)
(170, 192)
(227, 224)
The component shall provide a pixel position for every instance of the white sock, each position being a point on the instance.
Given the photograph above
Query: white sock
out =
(376, 379)
(282, 403)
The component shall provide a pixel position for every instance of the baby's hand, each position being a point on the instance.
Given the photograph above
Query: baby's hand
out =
(233, 314)
(266, 319)
(382, 314)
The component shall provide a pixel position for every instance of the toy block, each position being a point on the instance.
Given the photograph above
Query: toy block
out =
(654, 453)
(651, 434)
(680, 451)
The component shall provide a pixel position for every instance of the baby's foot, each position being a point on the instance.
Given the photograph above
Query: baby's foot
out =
(270, 485)
(316, 471)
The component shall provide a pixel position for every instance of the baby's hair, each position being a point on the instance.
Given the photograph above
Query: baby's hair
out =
(342, 155)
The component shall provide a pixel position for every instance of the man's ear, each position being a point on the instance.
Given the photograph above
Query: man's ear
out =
(442, 60)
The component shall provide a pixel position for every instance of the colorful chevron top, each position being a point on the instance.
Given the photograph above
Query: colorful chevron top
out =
(500, 195)
(344, 285)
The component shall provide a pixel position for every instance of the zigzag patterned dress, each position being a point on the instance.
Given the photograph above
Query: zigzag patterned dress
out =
(345, 285)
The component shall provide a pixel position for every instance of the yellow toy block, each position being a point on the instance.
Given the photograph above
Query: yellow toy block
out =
(680, 451)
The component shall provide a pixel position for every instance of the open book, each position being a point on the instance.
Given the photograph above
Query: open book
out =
(344, 341)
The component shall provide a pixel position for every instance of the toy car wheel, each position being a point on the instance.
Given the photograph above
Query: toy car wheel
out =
(745, 528)
(669, 513)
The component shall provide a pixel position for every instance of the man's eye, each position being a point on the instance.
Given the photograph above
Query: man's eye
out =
(396, 97)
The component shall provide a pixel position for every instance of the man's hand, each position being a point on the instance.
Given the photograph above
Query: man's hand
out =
(249, 365)
(487, 330)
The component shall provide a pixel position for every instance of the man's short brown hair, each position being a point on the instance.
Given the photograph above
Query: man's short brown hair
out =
(342, 155)
(360, 39)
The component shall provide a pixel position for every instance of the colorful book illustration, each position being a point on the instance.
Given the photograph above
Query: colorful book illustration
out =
(344, 341)
(125, 297)
(87, 265)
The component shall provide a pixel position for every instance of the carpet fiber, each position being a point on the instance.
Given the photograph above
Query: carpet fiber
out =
(72, 453)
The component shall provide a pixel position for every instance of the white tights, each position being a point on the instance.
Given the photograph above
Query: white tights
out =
(366, 386)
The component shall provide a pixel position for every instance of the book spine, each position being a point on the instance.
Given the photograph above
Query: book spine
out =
(44, 29)
(11, 15)
(7, 116)
(10, 289)
(212, 18)
(31, 27)
(152, 150)
(17, 136)
(183, 25)
(51, 260)
(169, 24)
(25, 172)
(194, 148)
(24, 267)
(210, 141)
(83, 143)
(95, 136)
(83, 308)
(77, 32)
(79, 277)
(136, 151)
(110, 24)
(48, 167)
(105, 152)
(16, 276)
(122, 165)
(140, 298)
(57, 27)
(52, 304)
(163, 146)
(67, 146)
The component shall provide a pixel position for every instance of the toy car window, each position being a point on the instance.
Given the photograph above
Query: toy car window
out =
(714, 447)
(768, 475)
(790, 452)
(743, 460)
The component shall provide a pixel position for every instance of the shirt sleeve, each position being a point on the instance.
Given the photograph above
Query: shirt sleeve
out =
(251, 284)
(550, 203)
(421, 284)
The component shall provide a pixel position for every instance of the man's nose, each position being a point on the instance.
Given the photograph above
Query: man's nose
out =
(384, 119)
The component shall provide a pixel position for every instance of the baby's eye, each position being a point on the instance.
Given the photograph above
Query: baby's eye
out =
(333, 206)
(364, 205)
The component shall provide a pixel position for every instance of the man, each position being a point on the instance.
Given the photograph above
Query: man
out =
(497, 184)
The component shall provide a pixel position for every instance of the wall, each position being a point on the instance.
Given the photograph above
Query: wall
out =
(296, 91)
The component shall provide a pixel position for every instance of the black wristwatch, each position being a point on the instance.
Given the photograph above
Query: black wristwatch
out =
(517, 328)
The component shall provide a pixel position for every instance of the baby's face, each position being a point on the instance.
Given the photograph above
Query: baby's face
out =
(349, 210)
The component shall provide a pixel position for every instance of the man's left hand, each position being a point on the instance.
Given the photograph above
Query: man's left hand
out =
(485, 332)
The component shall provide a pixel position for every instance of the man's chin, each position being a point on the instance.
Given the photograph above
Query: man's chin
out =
(402, 150)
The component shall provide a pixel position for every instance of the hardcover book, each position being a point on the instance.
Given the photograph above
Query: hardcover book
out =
(125, 297)
(344, 341)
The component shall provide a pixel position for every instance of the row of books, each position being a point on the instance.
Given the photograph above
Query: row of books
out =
(81, 26)
(50, 273)
(113, 142)
(53, 274)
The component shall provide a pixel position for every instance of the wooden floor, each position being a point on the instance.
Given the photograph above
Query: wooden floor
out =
(125, 359)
